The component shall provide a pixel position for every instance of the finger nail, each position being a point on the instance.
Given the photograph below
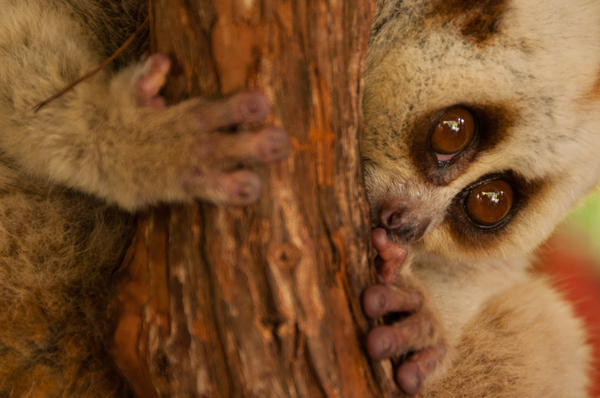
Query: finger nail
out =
(381, 343)
(409, 378)
(386, 346)
(242, 188)
(250, 107)
(275, 146)
(254, 105)
(243, 192)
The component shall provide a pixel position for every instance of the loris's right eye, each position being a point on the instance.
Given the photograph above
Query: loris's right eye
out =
(453, 133)
(488, 204)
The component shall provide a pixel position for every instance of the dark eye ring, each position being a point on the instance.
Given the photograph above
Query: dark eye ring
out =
(453, 133)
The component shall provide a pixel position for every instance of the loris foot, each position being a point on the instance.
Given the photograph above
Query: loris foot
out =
(197, 149)
(413, 338)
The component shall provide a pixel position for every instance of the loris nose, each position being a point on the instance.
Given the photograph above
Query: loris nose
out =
(405, 224)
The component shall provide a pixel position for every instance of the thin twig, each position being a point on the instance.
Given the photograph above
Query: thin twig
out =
(94, 71)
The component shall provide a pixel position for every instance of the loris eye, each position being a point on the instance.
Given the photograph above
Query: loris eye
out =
(453, 133)
(489, 203)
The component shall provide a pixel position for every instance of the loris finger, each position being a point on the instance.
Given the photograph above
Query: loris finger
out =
(390, 256)
(265, 145)
(413, 372)
(238, 188)
(413, 333)
(246, 107)
(380, 300)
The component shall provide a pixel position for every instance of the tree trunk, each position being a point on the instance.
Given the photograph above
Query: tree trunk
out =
(262, 301)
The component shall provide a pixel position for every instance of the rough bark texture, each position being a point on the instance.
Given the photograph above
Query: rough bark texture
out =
(262, 301)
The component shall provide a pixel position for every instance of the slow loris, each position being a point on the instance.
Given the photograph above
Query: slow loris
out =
(479, 136)
(482, 123)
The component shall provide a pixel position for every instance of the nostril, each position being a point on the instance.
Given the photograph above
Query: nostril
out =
(395, 219)
(406, 224)
(392, 218)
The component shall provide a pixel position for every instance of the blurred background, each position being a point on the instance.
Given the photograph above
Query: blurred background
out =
(585, 222)
(572, 258)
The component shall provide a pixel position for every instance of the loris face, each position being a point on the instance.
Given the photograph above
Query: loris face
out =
(482, 122)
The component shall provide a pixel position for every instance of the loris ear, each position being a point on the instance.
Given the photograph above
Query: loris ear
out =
(477, 20)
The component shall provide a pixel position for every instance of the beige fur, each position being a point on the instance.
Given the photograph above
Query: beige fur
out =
(507, 332)
(58, 248)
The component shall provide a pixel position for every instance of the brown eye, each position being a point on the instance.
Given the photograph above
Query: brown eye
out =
(453, 133)
(489, 203)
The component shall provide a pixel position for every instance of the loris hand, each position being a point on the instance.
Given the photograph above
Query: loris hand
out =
(185, 151)
(413, 338)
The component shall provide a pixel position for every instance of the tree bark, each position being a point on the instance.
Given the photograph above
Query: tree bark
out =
(262, 301)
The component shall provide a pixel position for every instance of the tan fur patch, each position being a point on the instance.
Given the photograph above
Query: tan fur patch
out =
(594, 93)
(478, 20)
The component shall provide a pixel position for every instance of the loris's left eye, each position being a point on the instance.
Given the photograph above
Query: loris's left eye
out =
(489, 203)
(453, 133)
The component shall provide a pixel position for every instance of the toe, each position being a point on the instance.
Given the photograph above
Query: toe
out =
(238, 188)
(383, 343)
(274, 144)
(390, 255)
(409, 378)
(380, 300)
(413, 372)
(154, 78)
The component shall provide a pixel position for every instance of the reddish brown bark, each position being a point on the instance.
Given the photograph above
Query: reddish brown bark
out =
(262, 301)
